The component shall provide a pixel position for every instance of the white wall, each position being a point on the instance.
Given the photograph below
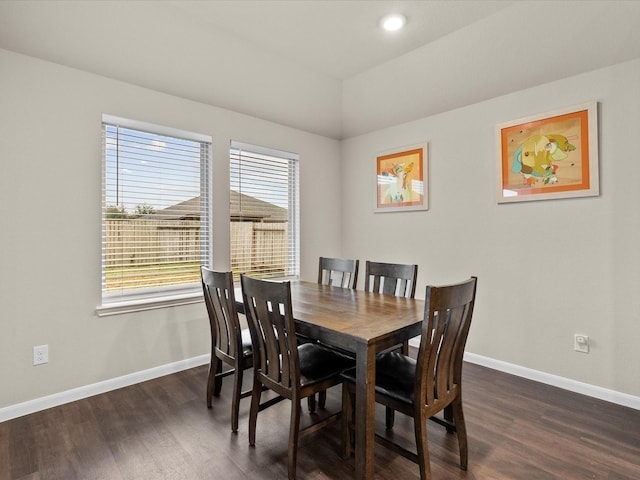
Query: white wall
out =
(50, 153)
(546, 269)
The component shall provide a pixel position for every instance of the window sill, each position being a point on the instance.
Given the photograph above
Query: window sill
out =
(140, 305)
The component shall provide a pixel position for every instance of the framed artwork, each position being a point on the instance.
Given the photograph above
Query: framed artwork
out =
(401, 179)
(549, 156)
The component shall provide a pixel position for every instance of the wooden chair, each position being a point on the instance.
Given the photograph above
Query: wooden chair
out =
(338, 272)
(292, 371)
(391, 279)
(430, 384)
(229, 342)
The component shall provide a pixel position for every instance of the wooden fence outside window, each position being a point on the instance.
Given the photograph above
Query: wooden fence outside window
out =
(257, 248)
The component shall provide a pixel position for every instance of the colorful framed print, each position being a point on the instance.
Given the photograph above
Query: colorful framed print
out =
(401, 179)
(549, 156)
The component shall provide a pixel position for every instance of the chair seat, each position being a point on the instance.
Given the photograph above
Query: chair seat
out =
(395, 376)
(318, 363)
(247, 349)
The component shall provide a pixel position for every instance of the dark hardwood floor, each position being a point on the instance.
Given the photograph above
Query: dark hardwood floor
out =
(161, 429)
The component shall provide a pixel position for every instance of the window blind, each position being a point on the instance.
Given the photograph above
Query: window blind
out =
(155, 214)
(264, 212)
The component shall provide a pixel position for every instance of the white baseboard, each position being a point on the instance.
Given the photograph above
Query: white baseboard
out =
(556, 381)
(32, 406)
(38, 404)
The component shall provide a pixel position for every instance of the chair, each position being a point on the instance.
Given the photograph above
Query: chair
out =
(292, 371)
(431, 383)
(338, 272)
(229, 342)
(391, 279)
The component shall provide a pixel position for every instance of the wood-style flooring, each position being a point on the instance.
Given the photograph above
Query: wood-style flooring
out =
(161, 429)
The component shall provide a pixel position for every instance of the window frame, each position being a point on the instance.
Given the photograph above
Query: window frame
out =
(293, 197)
(165, 295)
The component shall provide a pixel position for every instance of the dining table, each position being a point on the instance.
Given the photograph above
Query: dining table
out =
(363, 323)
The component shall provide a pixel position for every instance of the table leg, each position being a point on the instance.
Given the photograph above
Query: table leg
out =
(365, 411)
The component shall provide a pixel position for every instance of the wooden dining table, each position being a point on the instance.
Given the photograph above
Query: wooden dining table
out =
(363, 323)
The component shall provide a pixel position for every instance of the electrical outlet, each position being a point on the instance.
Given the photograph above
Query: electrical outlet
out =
(581, 343)
(41, 354)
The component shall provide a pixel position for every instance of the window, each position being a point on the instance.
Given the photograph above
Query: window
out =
(155, 215)
(264, 218)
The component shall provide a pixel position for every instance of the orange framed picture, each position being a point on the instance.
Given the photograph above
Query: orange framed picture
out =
(549, 156)
(401, 177)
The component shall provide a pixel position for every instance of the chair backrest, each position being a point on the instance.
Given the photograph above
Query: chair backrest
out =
(447, 319)
(270, 317)
(220, 300)
(338, 272)
(391, 279)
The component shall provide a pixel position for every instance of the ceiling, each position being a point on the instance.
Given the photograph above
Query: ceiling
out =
(338, 38)
(323, 65)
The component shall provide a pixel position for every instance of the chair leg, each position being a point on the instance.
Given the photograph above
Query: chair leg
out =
(311, 403)
(448, 413)
(461, 429)
(390, 416)
(422, 446)
(237, 392)
(294, 431)
(256, 393)
(322, 399)
(347, 420)
(218, 378)
(212, 380)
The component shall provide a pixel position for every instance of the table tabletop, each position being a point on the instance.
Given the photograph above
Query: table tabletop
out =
(344, 317)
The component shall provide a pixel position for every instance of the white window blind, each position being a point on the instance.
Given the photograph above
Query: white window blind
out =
(264, 220)
(155, 214)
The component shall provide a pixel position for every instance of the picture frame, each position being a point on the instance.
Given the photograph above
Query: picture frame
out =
(549, 156)
(402, 179)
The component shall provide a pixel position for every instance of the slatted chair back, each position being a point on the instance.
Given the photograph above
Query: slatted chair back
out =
(338, 272)
(269, 313)
(391, 278)
(445, 328)
(219, 297)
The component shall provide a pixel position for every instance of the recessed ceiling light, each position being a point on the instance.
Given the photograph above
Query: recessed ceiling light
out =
(393, 22)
